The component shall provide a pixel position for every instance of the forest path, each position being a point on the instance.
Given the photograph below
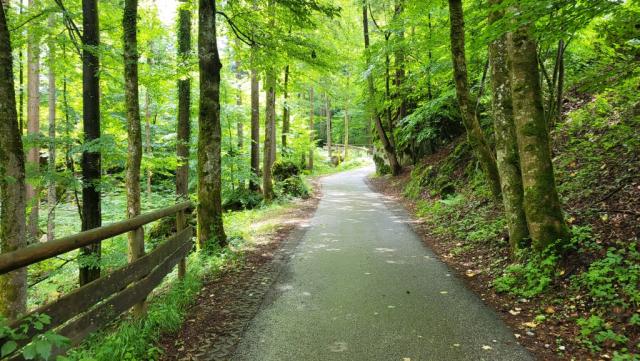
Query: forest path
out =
(362, 286)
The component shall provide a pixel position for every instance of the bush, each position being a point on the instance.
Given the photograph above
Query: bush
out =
(241, 198)
(292, 187)
(285, 169)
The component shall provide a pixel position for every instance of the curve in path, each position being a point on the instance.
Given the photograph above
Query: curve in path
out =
(362, 286)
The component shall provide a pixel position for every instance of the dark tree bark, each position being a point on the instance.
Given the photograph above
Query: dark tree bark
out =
(91, 160)
(329, 115)
(312, 138)
(33, 128)
(399, 65)
(475, 136)
(285, 108)
(134, 129)
(210, 227)
(541, 202)
(508, 160)
(51, 185)
(13, 298)
(386, 144)
(239, 125)
(269, 135)
(184, 118)
(255, 128)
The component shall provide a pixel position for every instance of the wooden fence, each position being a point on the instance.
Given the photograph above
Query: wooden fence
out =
(92, 306)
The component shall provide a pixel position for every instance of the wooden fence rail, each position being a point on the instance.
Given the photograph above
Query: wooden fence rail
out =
(89, 308)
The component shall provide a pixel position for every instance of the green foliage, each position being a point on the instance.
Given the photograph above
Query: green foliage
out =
(595, 331)
(613, 280)
(529, 278)
(294, 186)
(39, 347)
(283, 169)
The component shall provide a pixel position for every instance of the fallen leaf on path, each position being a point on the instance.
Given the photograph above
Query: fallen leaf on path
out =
(530, 324)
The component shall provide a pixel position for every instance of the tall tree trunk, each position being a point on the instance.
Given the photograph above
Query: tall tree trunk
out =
(239, 125)
(508, 160)
(210, 227)
(386, 144)
(475, 136)
(91, 160)
(387, 94)
(346, 131)
(285, 108)
(430, 65)
(147, 136)
(20, 79)
(541, 202)
(134, 129)
(560, 90)
(269, 134)
(13, 298)
(399, 64)
(255, 127)
(184, 118)
(51, 189)
(33, 128)
(329, 115)
(312, 138)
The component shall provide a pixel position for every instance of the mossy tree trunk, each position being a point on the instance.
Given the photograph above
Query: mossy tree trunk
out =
(269, 134)
(329, 115)
(541, 202)
(255, 127)
(184, 118)
(13, 298)
(210, 227)
(285, 108)
(51, 184)
(389, 150)
(312, 138)
(508, 160)
(33, 126)
(134, 129)
(91, 160)
(475, 136)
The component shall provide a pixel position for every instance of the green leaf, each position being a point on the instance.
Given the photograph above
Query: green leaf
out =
(43, 348)
(8, 348)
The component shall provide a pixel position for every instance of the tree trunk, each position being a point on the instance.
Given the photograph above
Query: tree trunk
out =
(475, 136)
(147, 136)
(210, 227)
(134, 130)
(346, 132)
(269, 134)
(13, 298)
(560, 90)
(255, 127)
(91, 160)
(239, 125)
(33, 128)
(508, 160)
(386, 144)
(399, 64)
(184, 118)
(312, 138)
(285, 109)
(541, 202)
(51, 190)
(328, 114)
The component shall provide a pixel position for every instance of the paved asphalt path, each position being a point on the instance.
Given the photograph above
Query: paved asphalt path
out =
(362, 286)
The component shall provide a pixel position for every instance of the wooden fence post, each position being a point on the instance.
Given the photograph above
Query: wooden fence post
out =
(181, 223)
